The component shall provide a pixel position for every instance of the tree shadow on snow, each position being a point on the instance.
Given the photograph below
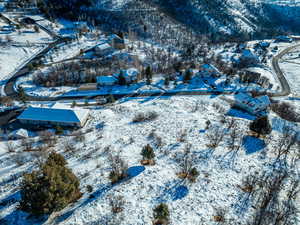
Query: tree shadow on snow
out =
(132, 172)
(253, 144)
(18, 217)
(173, 192)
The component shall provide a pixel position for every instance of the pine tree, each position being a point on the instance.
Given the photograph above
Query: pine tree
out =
(147, 152)
(49, 189)
(161, 214)
(149, 75)
(261, 126)
(187, 76)
(167, 81)
(121, 78)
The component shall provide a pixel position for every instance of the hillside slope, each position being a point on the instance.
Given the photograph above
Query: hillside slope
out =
(235, 18)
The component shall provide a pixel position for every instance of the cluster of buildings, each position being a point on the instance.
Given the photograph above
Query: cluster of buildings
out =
(129, 76)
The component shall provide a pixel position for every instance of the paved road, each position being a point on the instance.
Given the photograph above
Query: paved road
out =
(285, 87)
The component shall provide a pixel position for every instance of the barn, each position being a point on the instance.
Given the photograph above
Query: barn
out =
(65, 117)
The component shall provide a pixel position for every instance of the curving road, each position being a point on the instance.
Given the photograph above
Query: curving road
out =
(285, 87)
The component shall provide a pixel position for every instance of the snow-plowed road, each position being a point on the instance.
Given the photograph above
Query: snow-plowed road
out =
(285, 87)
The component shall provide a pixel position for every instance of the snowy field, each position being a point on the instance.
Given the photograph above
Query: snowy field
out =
(181, 122)
(18, 47)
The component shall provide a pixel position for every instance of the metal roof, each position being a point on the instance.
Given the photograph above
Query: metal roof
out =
(49, 114)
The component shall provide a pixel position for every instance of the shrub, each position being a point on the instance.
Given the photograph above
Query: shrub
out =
(148, 155)
(144, 117)
(161, 214)
(220, 215)
(119, 169)
(261, 126)
(89, 188)
(59, 130)
(49, 189)
(116, 203)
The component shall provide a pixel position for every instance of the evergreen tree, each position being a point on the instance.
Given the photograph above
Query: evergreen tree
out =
(121, 78)
(147, 152)
(167, 81)
(261, 126)
(111, 99)
(49, 189)
(161, 214)
(149, 75)
(121, 35)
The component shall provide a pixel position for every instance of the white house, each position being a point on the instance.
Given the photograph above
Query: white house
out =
(250, 104)
(57, 115)
(106, 81)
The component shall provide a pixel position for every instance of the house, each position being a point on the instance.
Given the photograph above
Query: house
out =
(248, 58)
(106, 81)
(104, 49)
(252, 105)
(130, 75)
(208, 71)
(57, 115)
(117, 42)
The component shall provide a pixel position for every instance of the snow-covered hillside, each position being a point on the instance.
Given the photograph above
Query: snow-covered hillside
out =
(233, 17)
(180, 125)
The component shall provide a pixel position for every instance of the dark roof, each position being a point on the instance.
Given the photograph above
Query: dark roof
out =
(48, 114)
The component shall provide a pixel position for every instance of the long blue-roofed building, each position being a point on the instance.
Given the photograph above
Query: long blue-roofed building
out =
(54, 116)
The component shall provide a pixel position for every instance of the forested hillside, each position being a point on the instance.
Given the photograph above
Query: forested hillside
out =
(217, 19)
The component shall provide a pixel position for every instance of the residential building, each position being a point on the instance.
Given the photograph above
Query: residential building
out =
(130, 75)
(252, 105)
(104, 49)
